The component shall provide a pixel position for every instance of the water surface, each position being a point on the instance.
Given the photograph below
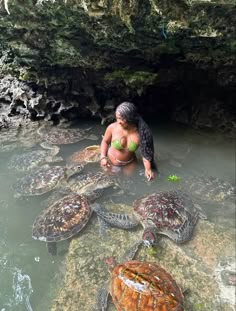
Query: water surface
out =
(29, 275)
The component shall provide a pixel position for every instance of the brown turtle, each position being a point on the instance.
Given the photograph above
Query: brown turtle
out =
(87, 155)
(65, 218)
(92, 181)
(171, 213)
(138, 286)
(30, 160)
(85, 184)
(44, 180)
(209, 188)
(62, 136)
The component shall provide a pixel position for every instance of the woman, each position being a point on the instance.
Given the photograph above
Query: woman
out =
(123, 137)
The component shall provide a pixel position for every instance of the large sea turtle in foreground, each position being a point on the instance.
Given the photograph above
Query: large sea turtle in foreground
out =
(65, 218)
(171, 213)
(61, 136)
(87, 155)
(32, 159)
(140, 286)
(44, 180)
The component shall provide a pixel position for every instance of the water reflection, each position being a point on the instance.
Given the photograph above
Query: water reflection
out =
(29, 275)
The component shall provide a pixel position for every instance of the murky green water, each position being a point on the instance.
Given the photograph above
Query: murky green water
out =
(29, 275)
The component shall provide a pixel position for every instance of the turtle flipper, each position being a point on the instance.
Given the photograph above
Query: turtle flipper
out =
(101, 301)
(52, 248)
(103, 226)
(183, 234)
(92, 195)
(52, 159)
(122, 221)
(92, 137)
(131, 251)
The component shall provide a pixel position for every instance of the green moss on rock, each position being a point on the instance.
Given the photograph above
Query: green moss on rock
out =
(132, 79)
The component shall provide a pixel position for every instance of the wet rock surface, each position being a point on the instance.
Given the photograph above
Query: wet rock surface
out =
(176, 61)
(196, 266)
(19, 136)
(22, 101)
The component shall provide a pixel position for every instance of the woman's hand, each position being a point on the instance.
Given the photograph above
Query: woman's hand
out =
(104, 162)
(148, 169)
(149, 174)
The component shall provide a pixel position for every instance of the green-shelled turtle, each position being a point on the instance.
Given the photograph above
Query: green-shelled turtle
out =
(44, 179)
(171, 213)
(30, 160)
(61, 136)
(208, 188)
(85, 184)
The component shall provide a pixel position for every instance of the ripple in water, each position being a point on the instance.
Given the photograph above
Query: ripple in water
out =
(19, 297)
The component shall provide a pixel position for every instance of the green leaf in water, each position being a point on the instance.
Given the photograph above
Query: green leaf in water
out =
(173, 178)
(152, 251)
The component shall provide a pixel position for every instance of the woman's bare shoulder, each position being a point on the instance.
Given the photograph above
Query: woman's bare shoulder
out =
(112, 126)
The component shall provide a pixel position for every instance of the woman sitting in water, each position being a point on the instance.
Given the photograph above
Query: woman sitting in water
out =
(123, 137)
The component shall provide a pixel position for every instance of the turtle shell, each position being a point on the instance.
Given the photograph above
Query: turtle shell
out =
(139, 286)
(91, 182)
(40, 181)
(87, 155)
(210, 188)
(29, 160)
(169, 212)
(62, 136)
(63, 219)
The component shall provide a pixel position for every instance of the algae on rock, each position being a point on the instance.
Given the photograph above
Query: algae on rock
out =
(192, 265)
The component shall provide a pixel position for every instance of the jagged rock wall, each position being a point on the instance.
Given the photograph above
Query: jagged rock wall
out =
(176, 57)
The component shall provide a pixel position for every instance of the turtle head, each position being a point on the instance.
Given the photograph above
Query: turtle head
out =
(149, 237)
(111, 263)
(74, 169)
(54, 149)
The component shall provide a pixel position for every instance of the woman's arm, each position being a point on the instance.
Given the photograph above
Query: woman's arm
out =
(105, 145)
(148, 169)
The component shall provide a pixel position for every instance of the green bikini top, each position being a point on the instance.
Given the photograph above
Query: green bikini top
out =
(116, 143)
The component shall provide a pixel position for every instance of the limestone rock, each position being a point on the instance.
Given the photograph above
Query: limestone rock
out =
(196, 266)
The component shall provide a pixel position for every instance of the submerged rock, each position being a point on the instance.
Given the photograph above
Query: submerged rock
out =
(193, 265)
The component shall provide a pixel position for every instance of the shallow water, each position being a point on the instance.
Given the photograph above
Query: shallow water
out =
(29, 275)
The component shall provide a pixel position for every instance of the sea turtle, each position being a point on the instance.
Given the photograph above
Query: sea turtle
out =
(85, 184)
(138, 286)
(64, 218)
(61, 136)
(17, 138)
(228, 277)
(171, 213)
(209, 188)
(32, 159)
(44, 179)
(87, 155)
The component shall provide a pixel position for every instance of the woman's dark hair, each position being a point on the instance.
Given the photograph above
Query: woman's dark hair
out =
(129, 112)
